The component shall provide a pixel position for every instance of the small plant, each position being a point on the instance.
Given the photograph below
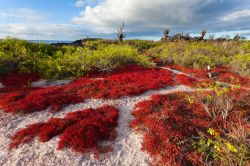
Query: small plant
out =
(216, 149)
(241, 64)
(217, 99)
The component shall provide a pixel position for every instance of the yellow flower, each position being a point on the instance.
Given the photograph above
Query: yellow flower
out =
(212, 131)
(216, 147)
(231, 147)
(209, 141)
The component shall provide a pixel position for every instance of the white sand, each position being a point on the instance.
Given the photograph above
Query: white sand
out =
(1, 85)
(46, 83)
(126, 147)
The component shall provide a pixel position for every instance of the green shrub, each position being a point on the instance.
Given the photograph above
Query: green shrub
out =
(141, 45)
(241, 64)
(105, 55)
(114, 56)
(197, 54)
(62, 64)
(23, 56)
(216, 149)
(7, 64)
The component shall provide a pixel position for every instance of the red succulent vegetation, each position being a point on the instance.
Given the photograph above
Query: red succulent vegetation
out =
(168, 123)
(16, 81)
(222, 74)
(171, 124)
(185, 80)
(198, 73)
(134, 80)
(81, 131)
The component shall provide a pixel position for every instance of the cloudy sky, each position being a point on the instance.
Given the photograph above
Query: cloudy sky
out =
(146, 19)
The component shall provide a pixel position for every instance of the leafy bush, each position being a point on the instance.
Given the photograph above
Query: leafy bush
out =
(24, 56)
(113, 56)
(217, 149)
(54, 62)
(219, 101)
(96, 44)
(63, 64)
(81, 131)
(7, 64)
(197, 54)
(241, 64)
(141, 45)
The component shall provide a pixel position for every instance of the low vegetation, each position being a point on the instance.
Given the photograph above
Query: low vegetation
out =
(64, 61)
(201, 128)
(81, 131)
(55, 62)
(193, 54)
(132, 80)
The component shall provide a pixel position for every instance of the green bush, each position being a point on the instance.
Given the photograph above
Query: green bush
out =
(197, 54)
(54, 62)
(141, 45)
(216, 149)
(7, 64)
(241, 64)
(114, 56)
(105, 55)
(23, 56)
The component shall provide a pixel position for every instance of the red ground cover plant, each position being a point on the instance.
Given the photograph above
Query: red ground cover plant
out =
(168, 123)
(186, 80)
(171, 125)
(16, 81)
(81, 131)
(225, 75)
(198, 73)
(131, 81)
(222, 74)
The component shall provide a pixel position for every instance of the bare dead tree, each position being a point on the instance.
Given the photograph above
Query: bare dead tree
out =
(237, 37)
(121, 35)
(166, 33)
(203, 33)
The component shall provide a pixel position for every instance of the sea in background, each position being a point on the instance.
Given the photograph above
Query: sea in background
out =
(50, 41)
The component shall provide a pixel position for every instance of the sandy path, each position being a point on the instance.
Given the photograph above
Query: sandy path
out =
(126, 146)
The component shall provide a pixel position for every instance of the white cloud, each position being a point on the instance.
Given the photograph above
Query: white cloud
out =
(30, 14)
(3, 15)
(82, 3)
(236, 15)
(23, 14)
(141, 15)
(42, 31)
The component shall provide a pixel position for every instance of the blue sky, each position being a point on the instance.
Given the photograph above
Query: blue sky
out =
(144, 19)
